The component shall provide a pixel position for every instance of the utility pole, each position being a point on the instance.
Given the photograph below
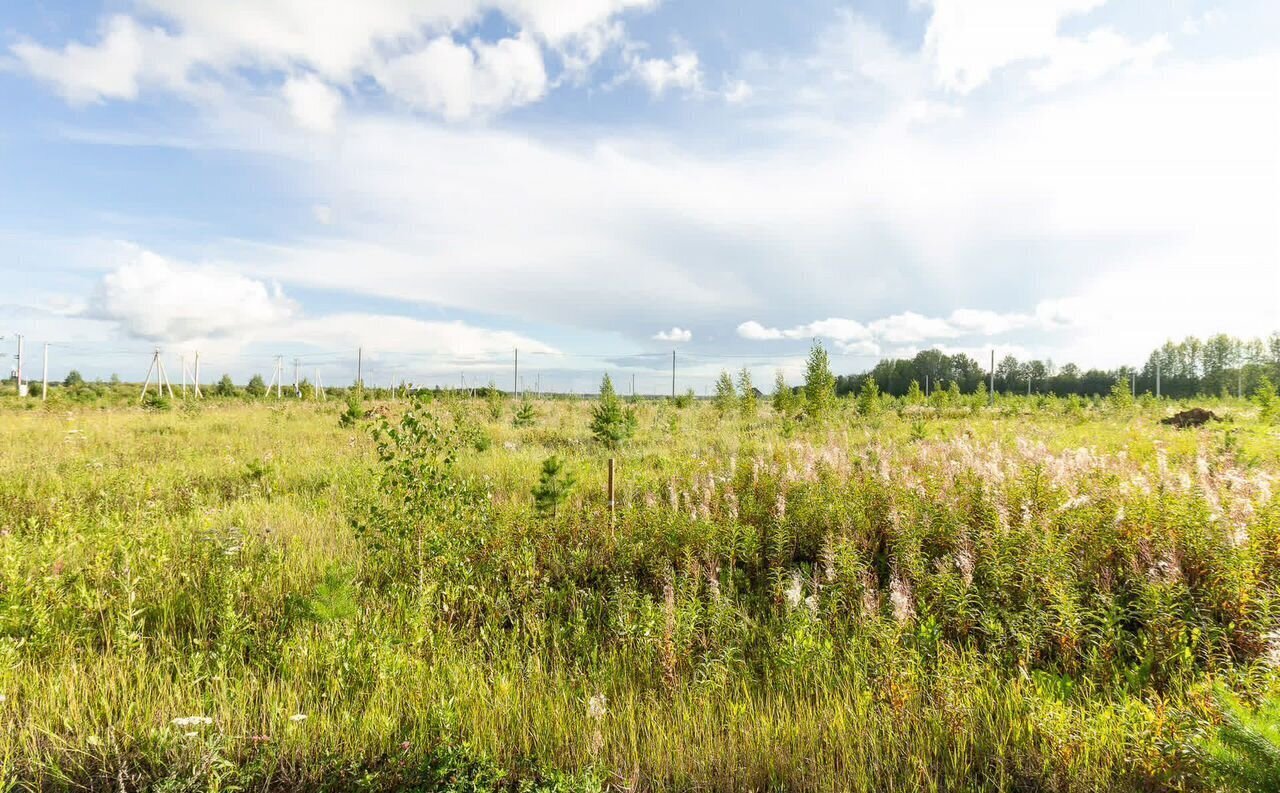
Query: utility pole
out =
(991, 392)
(515, 374)
(162, 379)
(537, 384)
(44, 379)
(297, 389)
(182, 361)
(319, 386)
(360, 367)
(673, 374)
(20, 365)
(1157, 379)
(926, 385)
(633, 385)
(1133, 384)
(1028, 383)
(198, 394)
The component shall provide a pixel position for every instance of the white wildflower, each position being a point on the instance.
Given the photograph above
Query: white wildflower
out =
(597, 707)
(298, 718)
(192, 721)
(795, 590)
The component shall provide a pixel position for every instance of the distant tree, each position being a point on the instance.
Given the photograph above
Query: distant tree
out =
(953, 393)
(115, 379)
(783, 397)
(1265, 397)
(72, 379)
(819, 383)
(869, 398)
(1121, 393)
(225, 387)
(914, 395)
(257, 386)
(726, 398)
(611, 424)
(748, 404)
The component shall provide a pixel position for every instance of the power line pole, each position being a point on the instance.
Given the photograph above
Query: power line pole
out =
(182, 361)
(515, 374)
(673, 374)
(319, 386)
(20, 365)
(1157, 379)
(297, 388)
(198, 393)
(44, 379)
(991, 394)
(360, 367)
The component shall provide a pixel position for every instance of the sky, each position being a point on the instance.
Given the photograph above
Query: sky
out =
(599, 182)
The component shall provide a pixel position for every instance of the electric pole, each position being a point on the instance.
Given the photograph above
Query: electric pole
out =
(991, 394)
(515, 374)
(20, 365)
(198, 394)
(673, 374)
(360, 367)
(1157, 379)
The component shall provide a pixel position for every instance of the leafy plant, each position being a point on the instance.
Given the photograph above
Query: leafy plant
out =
(1244, 753)
(819, 382)
(726, 397)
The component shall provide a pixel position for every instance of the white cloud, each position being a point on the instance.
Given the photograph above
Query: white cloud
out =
(313, 104)
(127, 56)
(737, 92)
(407, 46)
(967, 41)
(460, 81)
(659, 75)
(1076, 60)
(155, 299)
(676, 334)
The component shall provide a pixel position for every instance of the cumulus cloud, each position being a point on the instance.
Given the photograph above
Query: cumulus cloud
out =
(676, 334)
(159, 300)
(460, 81)
(681, 71)
(909, 327)
(407, 47)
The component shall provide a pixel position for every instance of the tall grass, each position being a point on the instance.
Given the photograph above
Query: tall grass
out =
(1040, 595)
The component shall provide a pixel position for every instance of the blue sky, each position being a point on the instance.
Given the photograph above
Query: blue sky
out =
(592, 180)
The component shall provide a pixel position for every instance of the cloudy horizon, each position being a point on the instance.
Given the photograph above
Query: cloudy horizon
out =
(597, 182)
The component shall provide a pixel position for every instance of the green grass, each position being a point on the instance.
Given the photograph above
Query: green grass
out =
(1038, 596)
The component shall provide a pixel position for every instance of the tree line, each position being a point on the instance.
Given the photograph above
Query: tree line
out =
(1218, 365)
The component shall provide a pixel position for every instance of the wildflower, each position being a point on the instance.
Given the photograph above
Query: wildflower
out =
(901, 599)
(260, 739)
(3, 699)
(192, 721)
(298, 717)
(794, 591)
(597, 707)
(782, 506)
(404, 746)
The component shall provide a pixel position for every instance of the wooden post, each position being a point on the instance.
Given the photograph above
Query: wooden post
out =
(612, 503)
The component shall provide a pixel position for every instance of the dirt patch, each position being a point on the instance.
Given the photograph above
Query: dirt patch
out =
(1195, 417)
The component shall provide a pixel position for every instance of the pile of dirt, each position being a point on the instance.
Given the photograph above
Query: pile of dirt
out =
(1195, 417)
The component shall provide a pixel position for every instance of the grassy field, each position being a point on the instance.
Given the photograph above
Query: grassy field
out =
(1040, 595)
